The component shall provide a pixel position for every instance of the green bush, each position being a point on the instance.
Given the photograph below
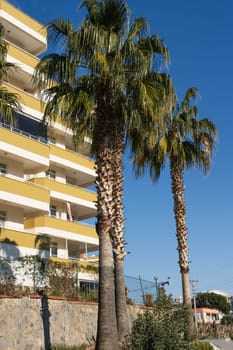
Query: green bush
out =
(227, 319)
(158, 329)
(203, 346)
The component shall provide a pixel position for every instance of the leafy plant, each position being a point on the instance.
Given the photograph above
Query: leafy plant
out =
(160, 328)
(228, 319)
(6, 273)
(90, 296)
(88, 268)
(34, 267)
(52, 277)
(149, 300)
(203, 346)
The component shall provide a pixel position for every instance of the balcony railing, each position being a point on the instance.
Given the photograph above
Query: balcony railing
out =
(24, 133)
(50, 225)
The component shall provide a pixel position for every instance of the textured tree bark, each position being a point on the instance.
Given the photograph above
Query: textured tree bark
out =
(121, 305)
(107, 333)
(189, 331)
(118, 239)
(181, 234)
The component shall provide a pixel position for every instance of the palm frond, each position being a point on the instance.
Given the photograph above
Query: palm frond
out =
(138, 27)
(9, 106)
(54, 69)
(191, 94)
(58, 32)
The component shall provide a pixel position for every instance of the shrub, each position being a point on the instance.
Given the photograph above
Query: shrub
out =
(158, 329)
(227, 319)
(203, 346)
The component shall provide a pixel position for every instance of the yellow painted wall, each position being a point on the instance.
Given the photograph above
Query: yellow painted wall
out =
(22, 17)
(63, 225)
(24, 189)
(66, 189)
(22, 56)
(19, 238)
(24, 142)
(72, 157)
(26, 99)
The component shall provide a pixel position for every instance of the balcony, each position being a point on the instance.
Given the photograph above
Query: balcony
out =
(25, 64)
(34, 106)
(73, 251)
(22, 30)
(27, 100)
(19, 239)
(76, 166)
(23, 194)
(18, 145)
(69, 230)
(15, 243)
(22, 56)
(83, 202)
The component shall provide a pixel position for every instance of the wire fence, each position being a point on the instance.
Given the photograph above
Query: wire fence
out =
(36, 272)
(138, 288)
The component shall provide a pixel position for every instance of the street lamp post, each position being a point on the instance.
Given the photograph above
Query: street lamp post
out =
(160, 284)
(194, 282)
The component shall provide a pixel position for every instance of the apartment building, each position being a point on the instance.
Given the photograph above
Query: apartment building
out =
(206, 315)
(46, 185)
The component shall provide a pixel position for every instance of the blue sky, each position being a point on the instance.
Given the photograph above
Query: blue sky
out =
(199, 35)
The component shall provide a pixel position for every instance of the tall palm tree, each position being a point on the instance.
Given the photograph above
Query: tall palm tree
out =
(9, 102)
(186, 142)
(117, 93)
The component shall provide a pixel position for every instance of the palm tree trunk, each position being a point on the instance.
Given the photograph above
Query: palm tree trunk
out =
(107, 334)
(118, 240)
(189, 332)
(181, 234)
(121, 304)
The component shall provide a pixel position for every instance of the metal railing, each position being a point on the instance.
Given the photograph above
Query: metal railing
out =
(24, 133)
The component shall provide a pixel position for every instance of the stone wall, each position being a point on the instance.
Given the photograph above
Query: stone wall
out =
(29, 324)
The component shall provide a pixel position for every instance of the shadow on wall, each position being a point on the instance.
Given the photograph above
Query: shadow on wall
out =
(45, 315)
(42, 242)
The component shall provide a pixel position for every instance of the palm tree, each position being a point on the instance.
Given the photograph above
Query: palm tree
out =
(9, 102)
(186, 142)
(117, 93)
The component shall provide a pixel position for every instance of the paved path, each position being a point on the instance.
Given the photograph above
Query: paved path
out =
(222, 344)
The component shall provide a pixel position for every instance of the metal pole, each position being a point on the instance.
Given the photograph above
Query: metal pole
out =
(86, 250)
(194, 283)
(143, 295)
(156, 287)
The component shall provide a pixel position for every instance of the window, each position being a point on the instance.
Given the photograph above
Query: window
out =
(3, 169)
(88, 286)
(51, 174)
(31, 126)
(73, 253)
(53, 249)
(2, 218)
(53, 211)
